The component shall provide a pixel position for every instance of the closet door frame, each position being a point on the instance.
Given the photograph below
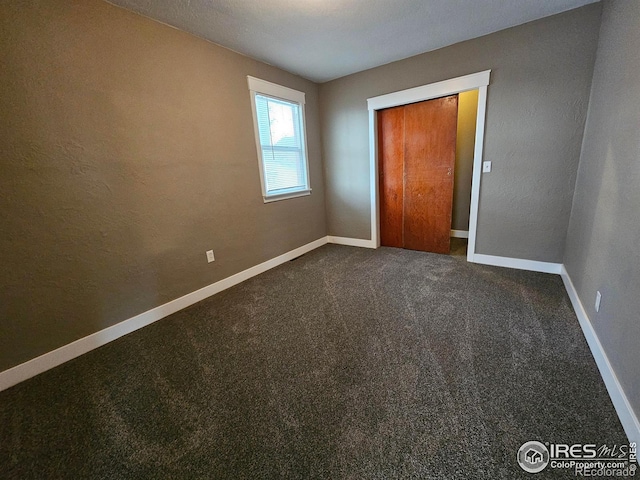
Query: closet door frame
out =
(479, 81)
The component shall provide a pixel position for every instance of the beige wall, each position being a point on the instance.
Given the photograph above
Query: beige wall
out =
(127, 150)
(537, 103)
(465, 143)
(602, 242)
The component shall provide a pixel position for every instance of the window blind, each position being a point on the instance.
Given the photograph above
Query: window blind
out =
(282, 145)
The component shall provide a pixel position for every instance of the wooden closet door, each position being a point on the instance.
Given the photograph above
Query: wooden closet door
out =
(391, 175)
(429, 160)
(416, 155)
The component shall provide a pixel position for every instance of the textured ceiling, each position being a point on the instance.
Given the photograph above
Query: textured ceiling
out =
(326, 39)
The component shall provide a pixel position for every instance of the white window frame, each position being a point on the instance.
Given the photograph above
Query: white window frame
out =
(262, 87)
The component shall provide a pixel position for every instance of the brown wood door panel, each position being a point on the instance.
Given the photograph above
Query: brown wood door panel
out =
(416, 158)
(391, 175)
(426, 212)
(429, 160)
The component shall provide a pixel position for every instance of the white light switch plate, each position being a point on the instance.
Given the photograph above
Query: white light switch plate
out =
(598, 298)
(210, 257)
(486, 167)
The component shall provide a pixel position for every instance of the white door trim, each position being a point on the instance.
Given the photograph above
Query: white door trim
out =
(473, 81)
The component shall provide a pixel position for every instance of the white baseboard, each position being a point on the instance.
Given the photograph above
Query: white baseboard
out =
(351, 242)
(460, 233)
(518, 263)
(52, 359)
(625, 412)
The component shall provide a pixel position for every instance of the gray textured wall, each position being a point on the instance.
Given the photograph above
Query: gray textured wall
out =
(541, 75)
(465, 143)
(604, 231)
(127, 150)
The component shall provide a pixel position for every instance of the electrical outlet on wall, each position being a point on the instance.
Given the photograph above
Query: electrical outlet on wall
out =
(486, 167)
(210, 257)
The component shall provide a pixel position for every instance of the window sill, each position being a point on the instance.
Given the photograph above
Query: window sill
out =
(286, 196)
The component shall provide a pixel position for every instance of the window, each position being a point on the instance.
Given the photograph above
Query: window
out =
(278, 119)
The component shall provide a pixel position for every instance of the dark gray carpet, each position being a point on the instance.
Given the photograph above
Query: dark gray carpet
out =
(346, 363)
